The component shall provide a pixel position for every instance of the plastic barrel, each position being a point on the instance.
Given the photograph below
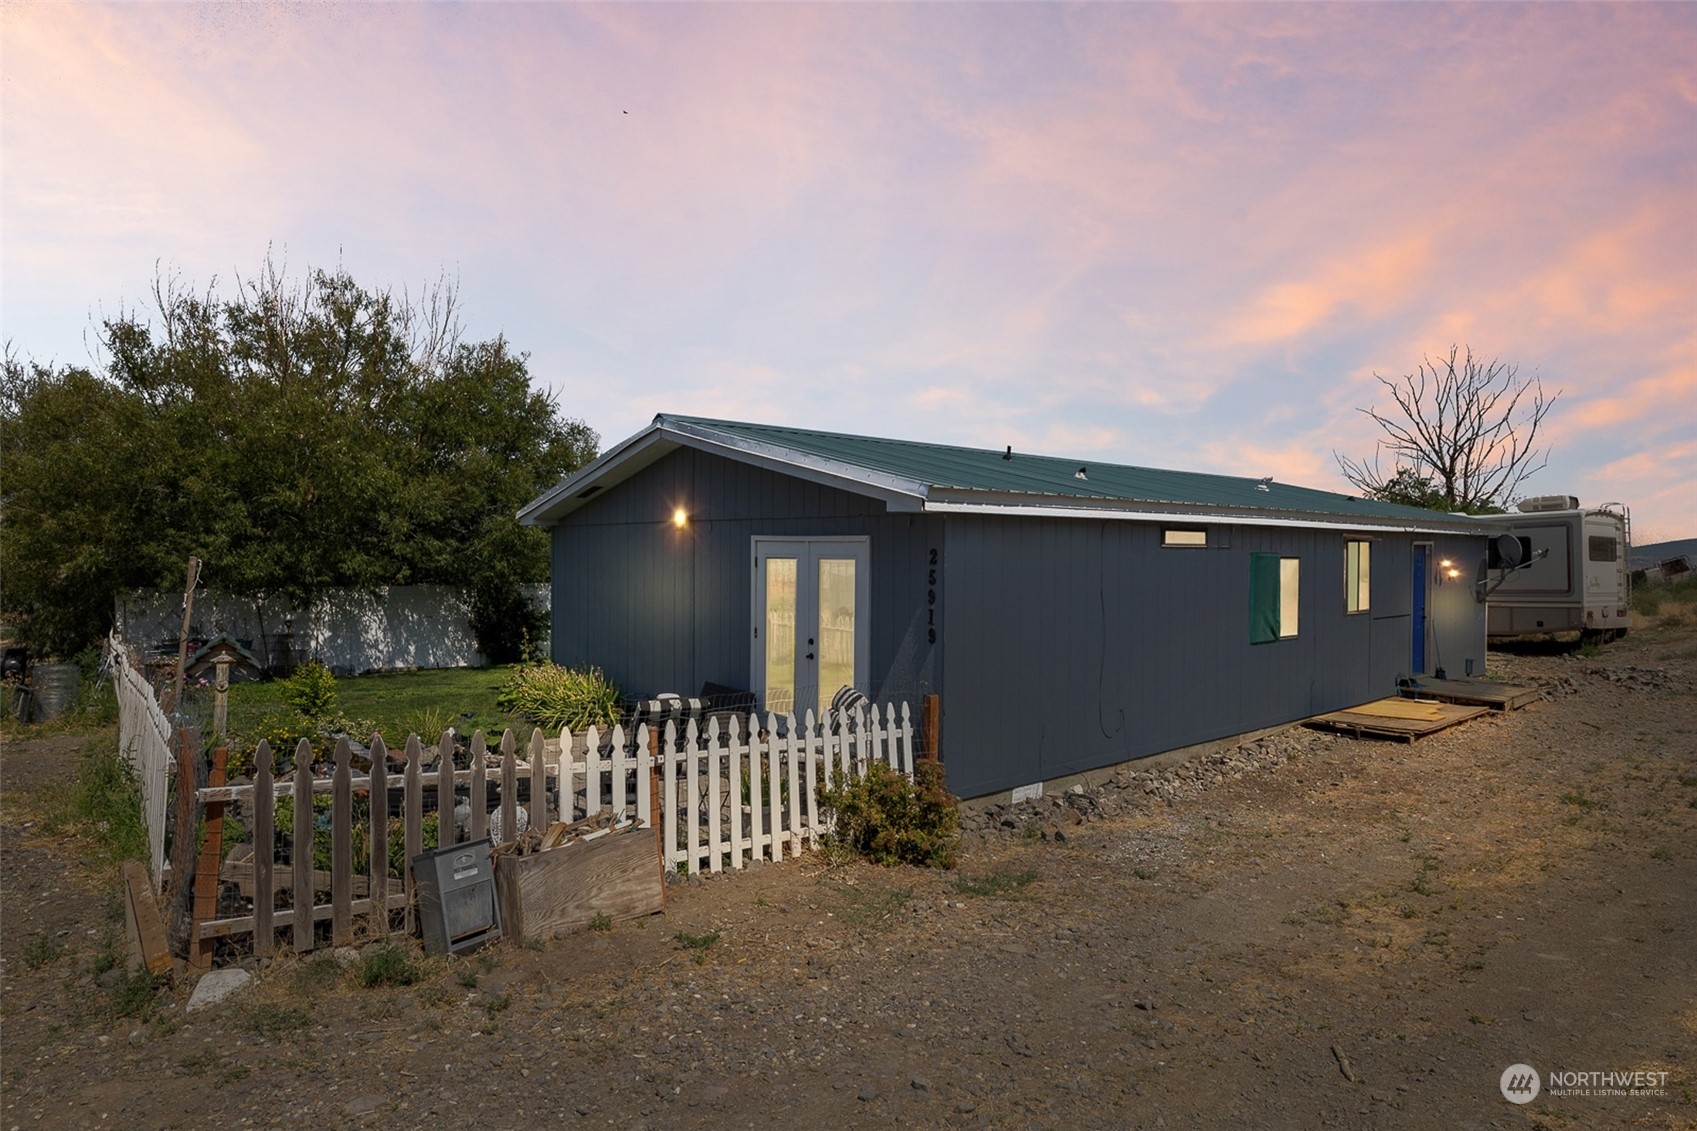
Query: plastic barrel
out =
(56, 689)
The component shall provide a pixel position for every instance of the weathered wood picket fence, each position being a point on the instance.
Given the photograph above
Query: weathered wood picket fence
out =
(723, 795)
(144, 740)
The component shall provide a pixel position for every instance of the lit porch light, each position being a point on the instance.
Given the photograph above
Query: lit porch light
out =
(680, 518)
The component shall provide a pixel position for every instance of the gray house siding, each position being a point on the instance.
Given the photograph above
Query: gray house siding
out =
(664, 609)
(1075, 644)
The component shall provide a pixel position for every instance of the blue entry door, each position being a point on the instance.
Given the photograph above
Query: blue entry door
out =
(1419, 607)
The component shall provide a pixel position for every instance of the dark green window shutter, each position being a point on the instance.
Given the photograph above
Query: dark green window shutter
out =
(1263, 598)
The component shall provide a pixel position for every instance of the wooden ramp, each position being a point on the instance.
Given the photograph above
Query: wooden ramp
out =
(1474, 692)
(1407, 719)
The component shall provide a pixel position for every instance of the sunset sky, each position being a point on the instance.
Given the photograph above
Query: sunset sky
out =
(1165, 235)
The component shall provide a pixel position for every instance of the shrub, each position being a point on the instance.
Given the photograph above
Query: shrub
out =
(555, 697)
(311, 691)
(387, 964)
(890, 819)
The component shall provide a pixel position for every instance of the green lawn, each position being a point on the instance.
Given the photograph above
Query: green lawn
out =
(463, 698)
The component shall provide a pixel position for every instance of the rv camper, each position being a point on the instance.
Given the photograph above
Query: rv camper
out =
(1568, 572)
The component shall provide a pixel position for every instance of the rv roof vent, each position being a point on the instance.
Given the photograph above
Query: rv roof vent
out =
(1540, 503)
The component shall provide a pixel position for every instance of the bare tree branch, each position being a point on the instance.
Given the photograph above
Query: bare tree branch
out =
(1463, 435)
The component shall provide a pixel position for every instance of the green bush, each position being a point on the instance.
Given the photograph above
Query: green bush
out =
(103, 805)
(890, 819)
(311, 691)
(555, 697)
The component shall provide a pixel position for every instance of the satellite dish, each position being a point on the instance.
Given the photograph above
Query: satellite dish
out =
(1508, 549)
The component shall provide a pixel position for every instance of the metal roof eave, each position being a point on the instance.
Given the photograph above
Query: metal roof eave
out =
(898, 493)
(989, 503)
(614, 465)
(664, 436)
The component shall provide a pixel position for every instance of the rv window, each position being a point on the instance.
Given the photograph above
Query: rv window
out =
(1357, 580)
(1274, 584)
(1184, 538)
(1604, 548)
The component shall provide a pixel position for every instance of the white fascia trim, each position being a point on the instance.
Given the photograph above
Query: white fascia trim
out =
(1342, 522)
(897, 493)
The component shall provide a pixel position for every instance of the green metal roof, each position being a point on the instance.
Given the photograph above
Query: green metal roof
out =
(909, 475)
(943, 467)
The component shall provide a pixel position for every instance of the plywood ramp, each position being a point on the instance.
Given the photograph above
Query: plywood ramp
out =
(1396, 717)
(1474, 692)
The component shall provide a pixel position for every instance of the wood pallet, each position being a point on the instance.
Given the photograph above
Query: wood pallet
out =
(1407, 719)
(1474, 692)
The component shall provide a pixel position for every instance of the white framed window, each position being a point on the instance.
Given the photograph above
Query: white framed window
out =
(1357, 575)
(1174, 536)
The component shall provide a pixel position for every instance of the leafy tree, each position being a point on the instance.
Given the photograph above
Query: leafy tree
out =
(298, 437)
(1462, 436)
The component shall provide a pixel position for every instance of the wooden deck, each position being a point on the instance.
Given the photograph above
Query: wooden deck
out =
(1397, 717)
(1474, 692)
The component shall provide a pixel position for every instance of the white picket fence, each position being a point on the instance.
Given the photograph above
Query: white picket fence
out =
(144, 739)
(748, 791)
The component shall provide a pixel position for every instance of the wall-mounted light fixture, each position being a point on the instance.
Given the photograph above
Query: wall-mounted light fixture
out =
(680, 518)
(1446, 569)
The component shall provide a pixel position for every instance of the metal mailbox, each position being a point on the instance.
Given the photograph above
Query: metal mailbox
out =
(456, 897)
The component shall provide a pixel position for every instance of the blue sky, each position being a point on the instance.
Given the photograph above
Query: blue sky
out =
(1156, 234)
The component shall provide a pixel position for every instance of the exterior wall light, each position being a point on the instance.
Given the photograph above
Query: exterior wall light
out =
(680, 518)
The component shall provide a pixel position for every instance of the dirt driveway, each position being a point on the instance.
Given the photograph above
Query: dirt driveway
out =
(1319, 931)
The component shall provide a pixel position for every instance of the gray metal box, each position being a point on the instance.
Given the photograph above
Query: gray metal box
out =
(456, 897)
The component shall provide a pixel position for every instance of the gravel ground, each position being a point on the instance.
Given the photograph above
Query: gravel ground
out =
(1306, 931)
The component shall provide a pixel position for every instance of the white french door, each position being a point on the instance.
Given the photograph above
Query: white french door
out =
(810, 628)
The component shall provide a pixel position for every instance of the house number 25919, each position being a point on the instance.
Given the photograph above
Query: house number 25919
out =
(931, 599)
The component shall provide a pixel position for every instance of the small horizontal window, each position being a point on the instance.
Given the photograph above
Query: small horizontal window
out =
(1184, 538)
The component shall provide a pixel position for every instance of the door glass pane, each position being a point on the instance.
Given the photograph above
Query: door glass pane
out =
(779, 694)
(836, 628)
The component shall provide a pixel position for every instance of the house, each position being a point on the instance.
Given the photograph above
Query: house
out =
(1070, 614)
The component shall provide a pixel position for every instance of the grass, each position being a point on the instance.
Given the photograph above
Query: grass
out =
(269, 1019)
(388, 964)
(999, 884)
(696, 942)
(42, 951)
(101, 811)
(395, 703)
(699, 945)
(870, 905)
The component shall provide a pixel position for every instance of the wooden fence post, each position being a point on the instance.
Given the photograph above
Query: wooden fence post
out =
(654, 806)
(377, 805)
(342, 848)
(933, 728)
(206, 871)
(301, 850)
(264, 852)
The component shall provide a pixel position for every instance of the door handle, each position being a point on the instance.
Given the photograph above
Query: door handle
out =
(810, 644)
